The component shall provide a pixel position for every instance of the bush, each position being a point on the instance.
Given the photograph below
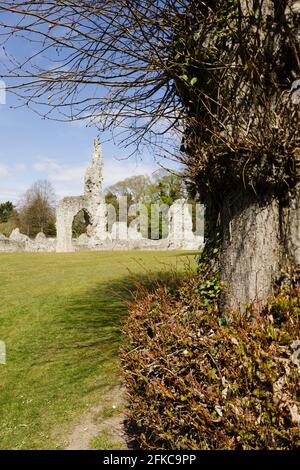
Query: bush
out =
(197, 380)
(7, 227)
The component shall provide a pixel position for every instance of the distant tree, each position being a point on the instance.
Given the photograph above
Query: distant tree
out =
(9, 218)
(6, 211)
(80, 223)
(135, 186)
(161, 188)
(37, 209)
(112, 199)
(165, 188)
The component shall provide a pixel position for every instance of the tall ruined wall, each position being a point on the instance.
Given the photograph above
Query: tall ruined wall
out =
(65, 213)
(90, 202)
(93, 180)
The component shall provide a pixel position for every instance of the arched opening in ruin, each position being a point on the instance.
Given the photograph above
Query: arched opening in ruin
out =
(80, 224)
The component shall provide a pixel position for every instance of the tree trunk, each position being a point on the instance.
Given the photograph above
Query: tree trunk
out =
(261, 242)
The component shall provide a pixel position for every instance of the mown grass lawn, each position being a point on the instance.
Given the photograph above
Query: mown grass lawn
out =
(60, 317)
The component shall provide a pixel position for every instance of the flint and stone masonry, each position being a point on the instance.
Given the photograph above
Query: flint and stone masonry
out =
(98, 236)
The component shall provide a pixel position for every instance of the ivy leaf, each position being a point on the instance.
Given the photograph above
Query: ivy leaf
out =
(184, 77)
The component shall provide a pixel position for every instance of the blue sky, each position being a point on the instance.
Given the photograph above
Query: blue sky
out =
(33, 148)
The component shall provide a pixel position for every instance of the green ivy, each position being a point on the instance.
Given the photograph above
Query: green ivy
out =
(209, 291)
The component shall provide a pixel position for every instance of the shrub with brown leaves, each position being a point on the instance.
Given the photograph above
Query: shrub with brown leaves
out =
(198, 380)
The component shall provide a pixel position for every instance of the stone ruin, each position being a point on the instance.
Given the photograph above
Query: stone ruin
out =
(92, 203)
(98, 236)
(17, 242)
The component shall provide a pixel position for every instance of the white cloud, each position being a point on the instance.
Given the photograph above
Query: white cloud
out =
(12, 182)
(46, 166)
(68, 180)
(3, 170)
(58, 172)
(12, 170)
(8, 194)
(19, 167)
(70, 173)
(115, 170)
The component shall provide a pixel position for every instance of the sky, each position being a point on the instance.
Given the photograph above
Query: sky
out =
(32, 148)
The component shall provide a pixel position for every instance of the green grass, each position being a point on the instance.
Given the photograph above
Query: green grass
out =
(60, 318)
(104, 442)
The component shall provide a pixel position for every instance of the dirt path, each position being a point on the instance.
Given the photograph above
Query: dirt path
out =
(102, 426)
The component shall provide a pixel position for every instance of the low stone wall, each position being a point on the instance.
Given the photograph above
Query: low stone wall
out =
(10, 246)
(142, 244)
(17, 242)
